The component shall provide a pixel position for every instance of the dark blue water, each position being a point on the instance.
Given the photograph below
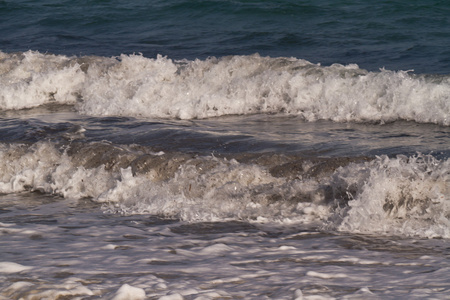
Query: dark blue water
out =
(397, 35)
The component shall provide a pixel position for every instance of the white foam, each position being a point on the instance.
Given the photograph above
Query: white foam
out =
(298, 295)
(42, 167)
(174, 296)
(216, 249)
(404, 195)
(11, 267)
(326, 275)
(32, 79)
(132, 85)
(70, 287)
(252, 84)
(127, 292)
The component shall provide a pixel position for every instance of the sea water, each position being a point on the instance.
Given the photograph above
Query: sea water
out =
(224, 150)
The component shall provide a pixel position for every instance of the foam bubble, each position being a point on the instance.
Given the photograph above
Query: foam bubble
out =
(127, 292)
(325, 275)
(252, 84)
(70, 288)
(403, 195)
(31, 79)
(11, 267)
(132, 85)
(44, 168)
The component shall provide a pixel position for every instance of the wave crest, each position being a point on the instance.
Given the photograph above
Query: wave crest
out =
(135, 86)
(403, 195)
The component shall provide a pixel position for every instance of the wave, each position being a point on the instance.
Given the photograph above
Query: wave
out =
(136, 86)
(402, 195)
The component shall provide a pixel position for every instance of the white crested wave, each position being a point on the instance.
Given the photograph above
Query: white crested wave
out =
(135, 86)
(32, 79)
(403, 195)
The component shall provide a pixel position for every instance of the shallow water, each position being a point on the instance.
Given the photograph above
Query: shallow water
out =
(282, 208)
(147, 151)
(66, 247)
(229, 134)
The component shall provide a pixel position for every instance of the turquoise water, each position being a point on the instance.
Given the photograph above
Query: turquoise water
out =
(397, 35)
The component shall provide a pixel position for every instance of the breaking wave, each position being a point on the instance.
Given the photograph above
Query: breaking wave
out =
(136, 86)
(402, 195)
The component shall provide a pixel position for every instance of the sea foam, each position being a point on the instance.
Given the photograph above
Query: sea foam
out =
(403, 195)
(136, 86)
(32, 79)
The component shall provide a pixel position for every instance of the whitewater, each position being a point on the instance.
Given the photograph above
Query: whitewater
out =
(136, 86)
(242, 176)
(224, 150)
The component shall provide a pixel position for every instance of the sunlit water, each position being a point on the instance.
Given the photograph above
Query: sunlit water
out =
(65, 247)
(224, 150)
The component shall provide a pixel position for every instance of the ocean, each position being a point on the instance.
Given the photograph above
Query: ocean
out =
(224, 149)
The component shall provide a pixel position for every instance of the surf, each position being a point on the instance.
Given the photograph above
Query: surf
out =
(401, 195)
(136, 86)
